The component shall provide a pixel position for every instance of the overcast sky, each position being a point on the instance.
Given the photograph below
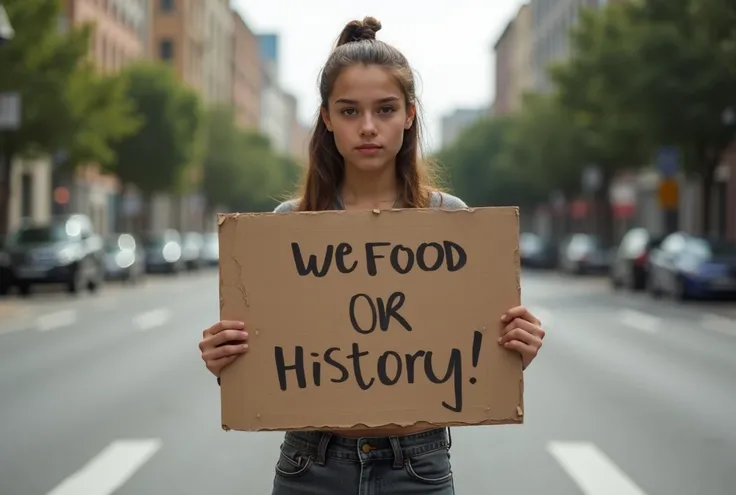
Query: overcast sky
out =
(448, 43)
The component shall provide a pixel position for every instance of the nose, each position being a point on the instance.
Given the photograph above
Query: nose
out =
(367, 127)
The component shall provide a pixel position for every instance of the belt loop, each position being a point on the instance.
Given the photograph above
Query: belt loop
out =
(449, 438)
(398, 454)
(324, 440)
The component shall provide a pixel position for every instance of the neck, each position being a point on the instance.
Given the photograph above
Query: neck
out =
(375, 189)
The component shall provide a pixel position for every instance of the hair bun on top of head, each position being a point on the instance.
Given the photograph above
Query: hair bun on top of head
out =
(359, 31)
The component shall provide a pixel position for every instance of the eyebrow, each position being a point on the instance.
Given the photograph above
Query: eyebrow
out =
(355, 102)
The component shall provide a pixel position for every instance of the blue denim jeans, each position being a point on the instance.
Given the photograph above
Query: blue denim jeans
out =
(315, 463)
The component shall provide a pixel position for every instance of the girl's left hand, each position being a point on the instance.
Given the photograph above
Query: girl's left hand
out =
(523, 333)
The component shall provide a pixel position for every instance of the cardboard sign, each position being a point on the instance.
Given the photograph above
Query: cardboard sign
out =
(360, 318)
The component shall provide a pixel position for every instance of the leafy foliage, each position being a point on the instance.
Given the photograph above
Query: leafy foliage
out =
(155, 157)
(241, 170)
(65, 105)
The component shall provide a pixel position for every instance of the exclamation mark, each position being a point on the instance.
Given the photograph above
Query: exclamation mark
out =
(477, 341)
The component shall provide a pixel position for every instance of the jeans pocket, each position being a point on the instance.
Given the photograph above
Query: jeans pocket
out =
(292, 462)
(431, 468)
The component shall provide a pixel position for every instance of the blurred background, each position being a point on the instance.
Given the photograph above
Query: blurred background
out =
(126, 125)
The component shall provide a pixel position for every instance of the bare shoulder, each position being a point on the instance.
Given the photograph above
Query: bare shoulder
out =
(287, 206)
(446, 201)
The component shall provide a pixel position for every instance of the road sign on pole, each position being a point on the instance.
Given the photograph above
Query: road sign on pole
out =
(669, 197)
(668, 160)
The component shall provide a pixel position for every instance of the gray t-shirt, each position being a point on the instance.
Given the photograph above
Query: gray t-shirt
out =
(438, 200)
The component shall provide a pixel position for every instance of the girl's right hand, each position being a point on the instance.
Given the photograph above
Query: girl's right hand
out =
(222, 343)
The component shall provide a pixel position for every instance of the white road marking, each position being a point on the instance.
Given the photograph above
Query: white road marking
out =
(640, 321)
(109, 469)
(152, 319)
(592, 470)
(57, 319)
(719, 324)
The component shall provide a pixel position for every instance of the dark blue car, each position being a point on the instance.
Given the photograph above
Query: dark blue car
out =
(688, 266)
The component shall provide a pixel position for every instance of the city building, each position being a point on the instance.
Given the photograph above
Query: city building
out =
(179, 38)
(503, 49)
(551, 22)
(218, 51)
(246, 75)
(513, 62)
(277, 107)
(455, 123)
(122, 34)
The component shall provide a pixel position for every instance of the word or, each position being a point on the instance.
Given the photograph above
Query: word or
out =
(380, 316)
(389, 368)
(428, 257)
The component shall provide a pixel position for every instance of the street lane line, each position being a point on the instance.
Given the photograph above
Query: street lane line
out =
(592, 470)
(720, 324)
(57, 319)
(152, 319)
(109, 469)
(640, 321)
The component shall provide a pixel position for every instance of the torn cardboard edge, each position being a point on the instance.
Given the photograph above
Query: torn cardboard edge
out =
(518, 420)
(223, 217)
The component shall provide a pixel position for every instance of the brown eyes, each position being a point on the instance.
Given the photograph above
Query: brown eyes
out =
(352, 111)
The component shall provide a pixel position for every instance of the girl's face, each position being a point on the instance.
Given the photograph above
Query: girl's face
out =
(368, 116)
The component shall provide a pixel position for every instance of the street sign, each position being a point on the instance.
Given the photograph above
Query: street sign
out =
(669, 197)
(10, 111)
(668, 160)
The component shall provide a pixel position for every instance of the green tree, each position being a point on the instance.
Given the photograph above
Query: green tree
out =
(223, 180)
(479, 171)
(241, 171)
(651, 73)
(64, 104)
(545, 147)
(155, 158)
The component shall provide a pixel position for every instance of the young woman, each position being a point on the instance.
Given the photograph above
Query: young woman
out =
(364, 154)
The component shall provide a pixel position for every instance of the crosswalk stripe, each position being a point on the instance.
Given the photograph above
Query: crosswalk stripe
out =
(57, 319)
(110, 469)
(592, 470)
(152, 319)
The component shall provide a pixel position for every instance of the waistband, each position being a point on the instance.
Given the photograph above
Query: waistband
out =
(322, 445)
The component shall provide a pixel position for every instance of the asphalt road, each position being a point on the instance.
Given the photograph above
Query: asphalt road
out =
(107, 394)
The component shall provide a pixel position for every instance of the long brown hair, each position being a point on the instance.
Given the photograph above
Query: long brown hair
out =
(357, 44)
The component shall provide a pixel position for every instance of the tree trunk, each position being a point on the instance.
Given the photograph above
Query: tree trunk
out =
(710, 158)
(604, 211)
(6, 163)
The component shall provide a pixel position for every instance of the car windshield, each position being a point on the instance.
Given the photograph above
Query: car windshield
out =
(45, 233)
(707, 249)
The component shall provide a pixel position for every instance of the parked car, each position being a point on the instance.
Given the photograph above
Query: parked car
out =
(125, 258)
(211, 249)
(163, 252)
(191, 250)
(583, 254)
(64, 250)
(536, 252)
(630, 262)
(687, 266)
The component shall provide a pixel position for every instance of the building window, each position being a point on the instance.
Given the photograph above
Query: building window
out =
(167, 5)
(166, 50)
